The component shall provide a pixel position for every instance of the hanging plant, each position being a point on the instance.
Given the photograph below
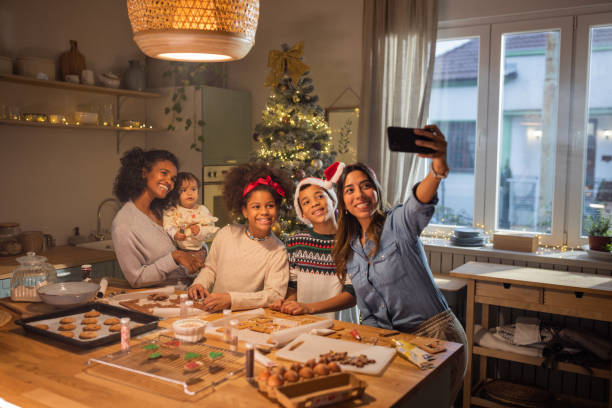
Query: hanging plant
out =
(183, 74)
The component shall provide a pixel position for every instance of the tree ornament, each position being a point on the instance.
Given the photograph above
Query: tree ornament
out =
(296, 99)
(316, 146)
(256, 137)
(286, 120)
(300, 174)
(276, 228)
(316, 163)
(300, 146)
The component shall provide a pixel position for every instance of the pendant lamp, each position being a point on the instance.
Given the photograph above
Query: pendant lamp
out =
(194, 30)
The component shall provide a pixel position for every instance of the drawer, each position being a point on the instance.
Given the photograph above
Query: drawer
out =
(577, 300)
(508, 291)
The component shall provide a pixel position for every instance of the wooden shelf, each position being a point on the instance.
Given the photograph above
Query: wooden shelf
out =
(69, 86)
(537, 361)
(480, 401)
(82, 127)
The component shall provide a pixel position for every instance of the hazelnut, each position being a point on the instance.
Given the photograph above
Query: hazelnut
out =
(291, 376)
(305, 372)
(321, 369)
(333, 366)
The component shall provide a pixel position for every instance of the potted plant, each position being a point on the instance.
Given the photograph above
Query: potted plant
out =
(598, 229)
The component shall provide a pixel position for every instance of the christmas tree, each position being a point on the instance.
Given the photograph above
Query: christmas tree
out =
(293, 133)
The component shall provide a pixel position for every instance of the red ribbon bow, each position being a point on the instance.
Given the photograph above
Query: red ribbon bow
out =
(265, 182)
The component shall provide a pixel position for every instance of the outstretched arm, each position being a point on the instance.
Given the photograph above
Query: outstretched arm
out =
(426, 190)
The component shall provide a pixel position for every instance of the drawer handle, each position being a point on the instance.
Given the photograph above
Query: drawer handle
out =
(507, 285)
(578, 295)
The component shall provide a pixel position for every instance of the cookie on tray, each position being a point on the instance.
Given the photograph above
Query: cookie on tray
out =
(88, 335)
(67, 327)
(42, 326)
(68, 334)
(115, 328)
(92, 313)
(89, 320)
(67, 320)
(111, 321)
(91, 327)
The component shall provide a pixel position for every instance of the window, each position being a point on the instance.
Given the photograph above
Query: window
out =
(453, 108)
(515, 163)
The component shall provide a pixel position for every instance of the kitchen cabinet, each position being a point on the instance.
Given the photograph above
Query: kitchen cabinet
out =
(563, 293)
(118, 94)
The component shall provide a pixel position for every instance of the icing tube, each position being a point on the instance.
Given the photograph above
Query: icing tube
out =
(103, 286)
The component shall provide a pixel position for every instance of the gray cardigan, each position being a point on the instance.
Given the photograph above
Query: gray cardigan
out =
(144, 250)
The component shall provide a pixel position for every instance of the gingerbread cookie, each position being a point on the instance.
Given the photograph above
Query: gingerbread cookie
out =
(91, 327)
(89, 320)
(115, 328)
(88, 335)
(67, 320)
(157, 297)
(67, 327)
(92, 313)
(111, 321)
(67, 334)
(42, 326)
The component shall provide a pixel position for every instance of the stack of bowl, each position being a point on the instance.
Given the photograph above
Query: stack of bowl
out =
(468, 237)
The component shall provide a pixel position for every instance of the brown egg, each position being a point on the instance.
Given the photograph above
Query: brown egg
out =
(291, 376)
(320, 369)
(311, 363)
(275, 380)
(323, 360)
(279, 370)
(264, 375)
(296, 367)
(333, 366)
(305, 372)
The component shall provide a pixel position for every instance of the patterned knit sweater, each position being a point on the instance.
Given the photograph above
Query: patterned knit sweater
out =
(312, 270)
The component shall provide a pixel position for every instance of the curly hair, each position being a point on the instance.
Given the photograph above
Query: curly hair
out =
(348, 226)
(240, 176)
(130, 184)
(175, 194)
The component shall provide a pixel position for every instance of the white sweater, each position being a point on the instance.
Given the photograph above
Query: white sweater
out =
(254, 273)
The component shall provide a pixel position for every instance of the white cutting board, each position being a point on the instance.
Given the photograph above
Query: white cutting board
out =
(314, 346)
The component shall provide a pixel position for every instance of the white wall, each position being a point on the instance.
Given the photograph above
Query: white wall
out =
(331, 31)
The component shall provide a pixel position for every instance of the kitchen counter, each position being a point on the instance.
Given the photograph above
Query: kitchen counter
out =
(60, 257)
(37, 371)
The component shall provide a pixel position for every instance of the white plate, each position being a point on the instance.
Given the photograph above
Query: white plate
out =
(600, 255)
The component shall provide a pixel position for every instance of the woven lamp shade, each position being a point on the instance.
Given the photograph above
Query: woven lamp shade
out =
(194, 30)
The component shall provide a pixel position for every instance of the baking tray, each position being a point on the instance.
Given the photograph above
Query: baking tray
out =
(142, 323)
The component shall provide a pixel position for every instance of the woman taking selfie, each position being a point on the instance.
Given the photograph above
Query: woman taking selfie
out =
(381, 252)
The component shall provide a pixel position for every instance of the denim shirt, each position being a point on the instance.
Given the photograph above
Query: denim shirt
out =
(395, 288)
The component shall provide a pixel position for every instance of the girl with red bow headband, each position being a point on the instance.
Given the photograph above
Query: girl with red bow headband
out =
(247, 265)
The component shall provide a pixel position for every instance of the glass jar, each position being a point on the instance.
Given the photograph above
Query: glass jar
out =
(33, 272)
(9, 243)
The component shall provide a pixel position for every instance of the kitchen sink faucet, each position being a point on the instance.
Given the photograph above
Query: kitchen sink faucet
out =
(100, 235)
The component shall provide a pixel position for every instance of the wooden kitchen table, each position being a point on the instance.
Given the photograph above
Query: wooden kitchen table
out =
(36, 371)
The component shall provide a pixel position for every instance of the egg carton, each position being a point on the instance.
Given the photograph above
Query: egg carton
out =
(318, 391)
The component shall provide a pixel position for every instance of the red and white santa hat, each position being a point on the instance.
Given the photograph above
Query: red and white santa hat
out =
(332, 175)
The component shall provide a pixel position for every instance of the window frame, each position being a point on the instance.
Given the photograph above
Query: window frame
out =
(565, 26)
(577, 148)
(482, 32)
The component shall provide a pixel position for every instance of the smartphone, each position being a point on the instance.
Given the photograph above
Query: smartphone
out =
(402, 140)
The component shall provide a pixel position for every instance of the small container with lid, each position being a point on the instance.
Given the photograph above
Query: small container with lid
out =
(33, 273)
(9, 241)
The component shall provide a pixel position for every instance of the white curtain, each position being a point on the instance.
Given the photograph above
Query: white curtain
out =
(399, 43)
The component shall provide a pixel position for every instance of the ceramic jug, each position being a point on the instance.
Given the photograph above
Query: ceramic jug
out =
(135, 76)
